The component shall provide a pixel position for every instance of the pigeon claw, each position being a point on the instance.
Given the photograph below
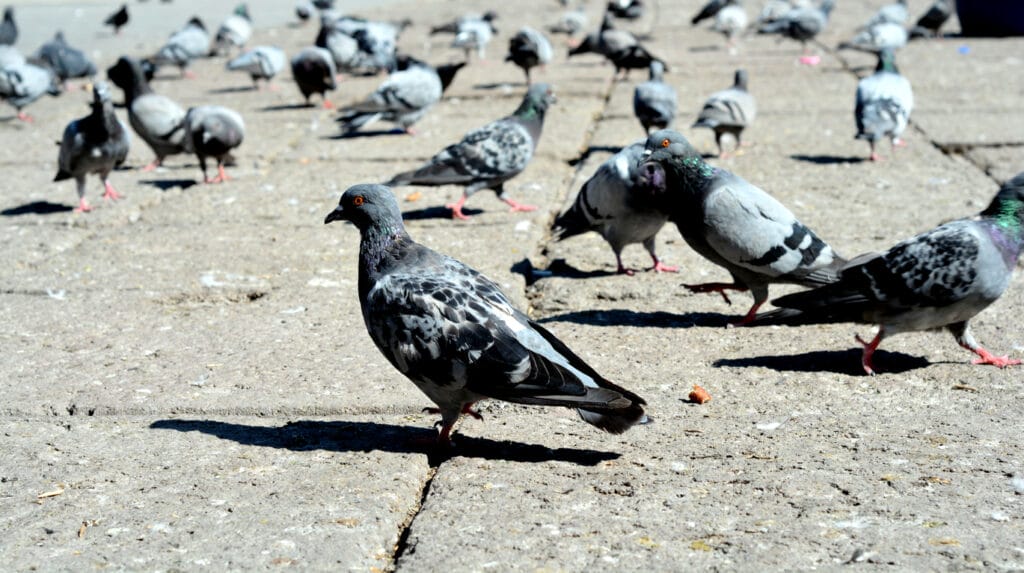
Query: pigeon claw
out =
(111, 193)
(660, 267)
(720, 288)
(810, 60)
(83, 206)
(989, 358)
(869, 351)
(514, 207)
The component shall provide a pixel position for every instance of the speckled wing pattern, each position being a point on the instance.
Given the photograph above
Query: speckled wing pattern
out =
(883, 105)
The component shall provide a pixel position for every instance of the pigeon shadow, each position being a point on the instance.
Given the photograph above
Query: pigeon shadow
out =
(232, 90)
(166, 184)
(499, 85)
(36, 208)
(827, 159)
(592, 150)
(288, 107)
(435, 213)
(836, 361)
(371, 133)
(659, 319)
(557, 268)
(350, 436)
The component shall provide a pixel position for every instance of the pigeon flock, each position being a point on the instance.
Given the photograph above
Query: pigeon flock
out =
(449, 329)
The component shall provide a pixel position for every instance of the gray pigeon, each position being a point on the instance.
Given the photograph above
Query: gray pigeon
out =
(213, 131)
(96, 144)
(185, 45)
(10, 56)
(8, 28)
(456, 335)
(489, 156)
(65, 61)
(619, 47)
(313, 70)
(376, 42)
(261, 63)
(344, 49)
(729, 112)
(157, 119)
(801, 24)
(453, 27)
(884, 103)
(404, 98)
(708, 10)
(654, 101)
(731, 21)
(571, 22)
(732, 223)
(234, 31)
(608, 205)
(23, 83)
(895, 13)
(626, 9)
(528, 49)
(939, 279)
(877, 37)
(474, 35)
(928, 24)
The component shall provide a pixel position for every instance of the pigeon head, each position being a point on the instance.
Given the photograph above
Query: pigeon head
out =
(243, 11)
(127, 74)
(100, 94)
(537, 101)
(1008, 205)
(657, 69)
(195, 21)
(8, 14)
(368, 206)
(669, 162)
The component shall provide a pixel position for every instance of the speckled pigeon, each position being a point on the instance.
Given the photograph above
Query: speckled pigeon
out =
(654, 101)
(23, 83)
(708, 10)
(213, 131)
(404, 98)
(313, 70)
(456, 335)
(883, 105)
(729, 112)
(157, 119)
(261, 63)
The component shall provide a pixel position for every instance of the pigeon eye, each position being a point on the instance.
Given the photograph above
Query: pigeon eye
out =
(665, 143)
(358, 200)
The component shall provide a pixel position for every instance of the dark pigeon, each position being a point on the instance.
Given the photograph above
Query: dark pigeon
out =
(314, 72)
(65, 61)
(931, 21)
(157, 119)
(213, 131)
(118, 19)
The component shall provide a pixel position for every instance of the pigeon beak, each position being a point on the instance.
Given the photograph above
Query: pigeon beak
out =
(338, 214)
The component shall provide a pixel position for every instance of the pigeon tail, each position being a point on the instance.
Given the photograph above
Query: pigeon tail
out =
(614, 421)
(62, 175)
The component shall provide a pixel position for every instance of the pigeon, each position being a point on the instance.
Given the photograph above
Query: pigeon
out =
(618, 46)
(571, 22)
(323, 4)
(10, 56)
(608, 205)
(489, 156)
(709, 10)
(732, 223)
(21, 84)
(801, 24)
(730, 21)
(65, 61)
(343, 48)
(626, 9)
(772, 10)
(527, 49)
(96, 144)
(376, 41)
(941, 278)
(453, 27)
(185, 45)
(8, 28)
(457, 336)
(728, 112)
(157, 119)
(447, 74)
(313, 70)
(213, 131)
(654, 101)
(118, 19)
(895, 13)
(884, 103)
(404, 98)
(877, 37)
(928, 24)
(261, 62)
(304, 10)
(235, 31)
(474, 35)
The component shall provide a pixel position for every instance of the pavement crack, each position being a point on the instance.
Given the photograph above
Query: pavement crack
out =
(404, 546)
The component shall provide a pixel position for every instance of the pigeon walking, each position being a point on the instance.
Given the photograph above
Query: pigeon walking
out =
(157, 119)
(96, 144)
(261, 63)
(801, 24)
(213, 131)
(23, 83)
(456, 335)
(609, 204)
(883, 105)
(733, 223)
(185, 45)
(65, 61)
(654, 101)
(941, 278)
(489, 156)
(528, 49)
(619, 47)
(404, 98)
(928, 24)
(313, 70)
(118, 19)
(8, 28)
(728, 113)
(234, 32)
(895, 13)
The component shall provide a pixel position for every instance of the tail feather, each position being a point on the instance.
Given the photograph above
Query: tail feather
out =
(614, 421)
(355, 120)
(62, 175)
(571, 223)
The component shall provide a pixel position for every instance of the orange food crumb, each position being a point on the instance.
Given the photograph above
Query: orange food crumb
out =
(699, 395)
(414, 196)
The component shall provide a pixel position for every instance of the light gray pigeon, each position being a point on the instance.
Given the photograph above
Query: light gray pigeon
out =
(571, 22)
(619, 47)
(729, 112)
(928, 24)
(731, 21)
(377, 43)
(801, 24)
(474, 35)
(21, 84)
(939, 279)
(895, 13)
(456, 335)
(157, 119)
(877, 37)
(453, 27)
(185, 45)
(883, 105)
(234, 31)
(261, 63)
(96, 144)
(344, 49)
(404, 98)
(708, 10)
(528, 49)
(654, 101)
(732, 223)
(489, 156)
(313, 70)
(10, 56)
(8, 28)
(65, 61)
(213, 131)
(608, 205)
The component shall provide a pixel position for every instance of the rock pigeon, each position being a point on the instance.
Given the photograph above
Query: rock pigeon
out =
(884, 103)
(877, 37)
(618, 46)
(489, 156)
(96, 144)
(21, 84)
(313, 70)
(343, 48)
(8, 28)
(732, 223)
(157, 119)
(403, 98)
(376, 41)
(213, 131)
(185, 45)
(608, 205)
(928, 24)
(729, 112)
(654, 101)
(571, 22)
(895, 13)
(10, 56)
(731, 21)
(708, 10)
(626, 9)
(118, 19)
(65, 61)
(447, 74)
(456, 335)
(453, 27)
(304, 10)
(939, 279)
(474, 35)
(528, 49)
(801, 24)
(261, 63)
(234, 32)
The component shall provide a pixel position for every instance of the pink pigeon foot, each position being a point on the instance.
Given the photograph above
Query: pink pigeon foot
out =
(869, 352)
(456, 208)
(810, 60)
(899, 142)
(747, 318)
(25, 117)
(110, 193)
(660, 267)
(876, 157)
(152, 165)
(328, 104)
(720, 288)
(519, 206)
(189, 74)
(83, 206)
(989, 358)
(220, 178)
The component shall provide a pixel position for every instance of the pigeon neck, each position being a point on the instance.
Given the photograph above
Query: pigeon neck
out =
(137, 88)
(1008, 231)
(378, 247)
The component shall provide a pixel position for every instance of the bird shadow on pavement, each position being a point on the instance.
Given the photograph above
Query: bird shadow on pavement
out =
(592, 150)
(836, 361)
(499, 85)
(435, 213)
(233, 90)
(166, 184)
(288, 107)
(827, 159)
(625, 317)
(351, 436)
(36, 208)
(369, 133)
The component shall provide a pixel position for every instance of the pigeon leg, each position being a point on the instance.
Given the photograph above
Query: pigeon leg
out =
(518, 206)
(456, 208)
(25, 117)
(153, 164)
(869, 351)
(409, 130)
(965, 338)
(328, 104)
(658, 267)
(874, 154)
(188, 74)
(897, 142)
(747, 318)
(109, 191)
(620, 268)
(720, 288)
(221, 175)
(83, 206)
(466, 409)
(809, 59)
